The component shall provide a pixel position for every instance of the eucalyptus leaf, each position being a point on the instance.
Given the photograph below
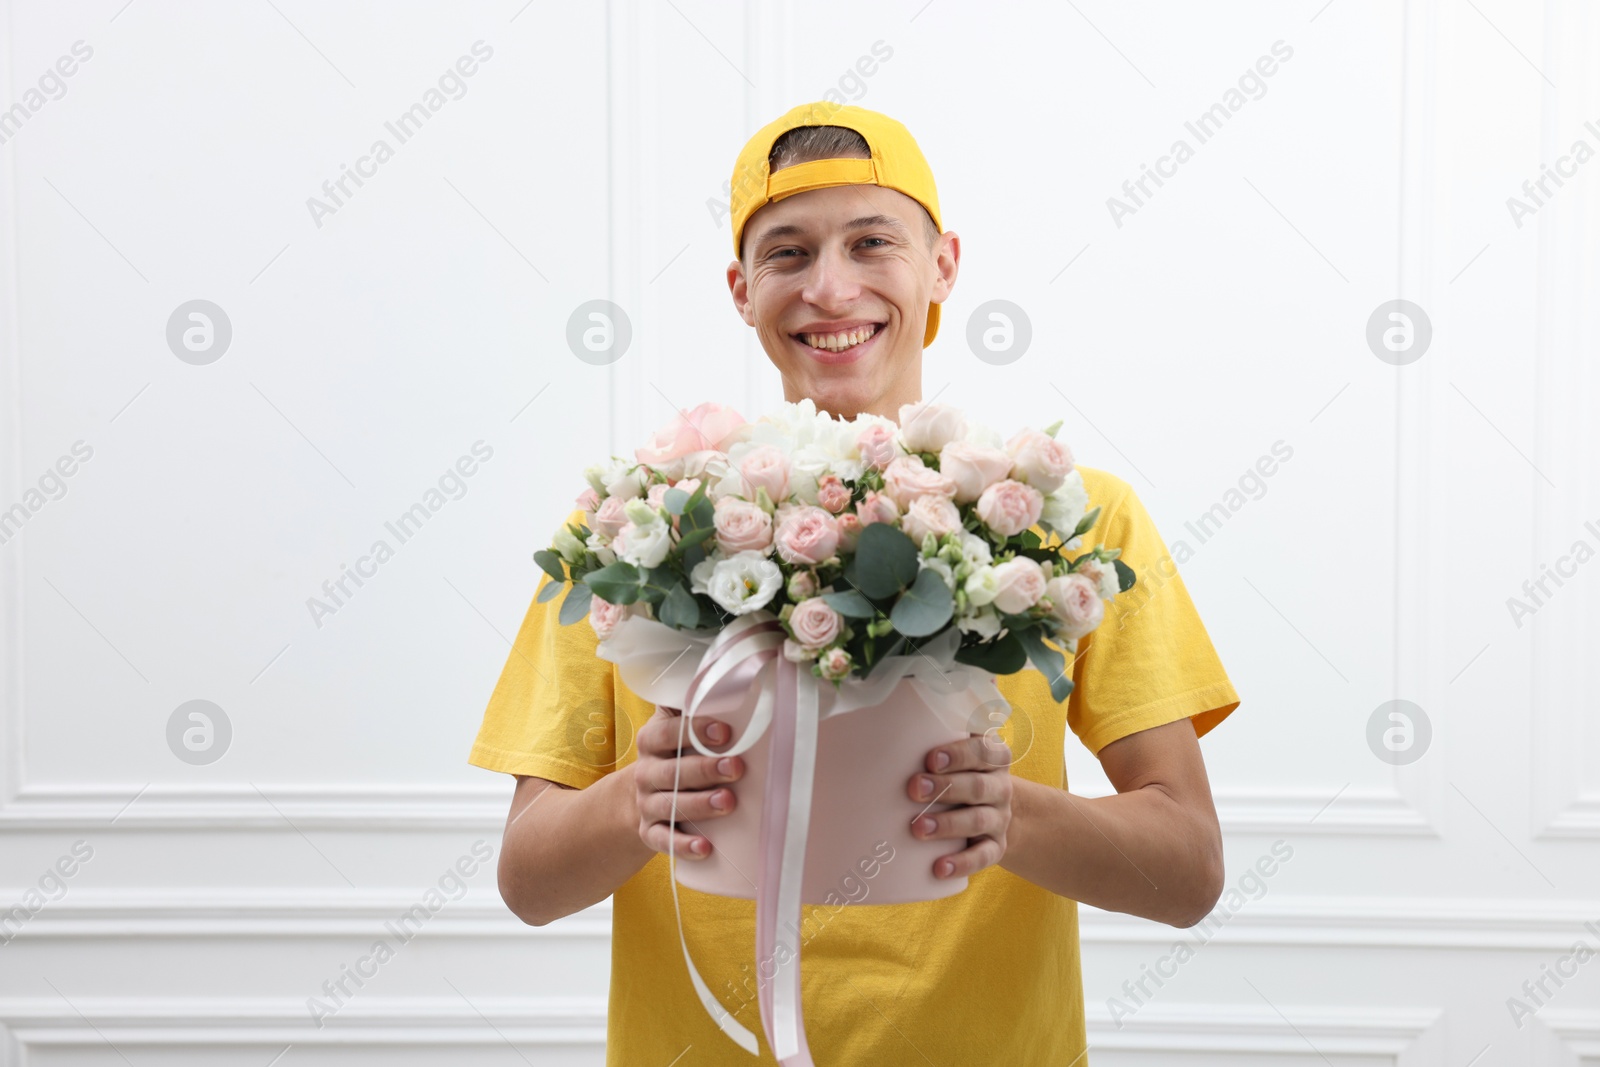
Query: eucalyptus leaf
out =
(576, 604)
(550, 562)
(1003, 656)
(1049, 662)
(680, 610)
(675, 501)
(616, 583)
(925, 607)
(550, 591)
(1125, 576)
(851, 604)
(885, 561)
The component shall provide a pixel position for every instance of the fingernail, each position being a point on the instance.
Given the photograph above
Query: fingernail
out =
(717, 732)
(719, 800)
(924, 788)
(941, 761)
(946, 868)
(925, 825)
(698, 847)
(725, 766)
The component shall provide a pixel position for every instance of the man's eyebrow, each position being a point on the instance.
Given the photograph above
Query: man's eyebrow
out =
(791, 229)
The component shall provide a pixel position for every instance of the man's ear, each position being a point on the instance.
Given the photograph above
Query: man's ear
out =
(947, 261)
(740, 290)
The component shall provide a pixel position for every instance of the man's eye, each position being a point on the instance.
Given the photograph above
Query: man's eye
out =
(879, 239)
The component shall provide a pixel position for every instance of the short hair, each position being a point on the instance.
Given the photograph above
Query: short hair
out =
(806, 144)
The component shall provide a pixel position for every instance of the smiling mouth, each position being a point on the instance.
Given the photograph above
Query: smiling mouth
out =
(843, 342)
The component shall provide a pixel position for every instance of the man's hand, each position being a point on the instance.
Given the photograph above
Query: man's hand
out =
(975, 772)
(698, 780)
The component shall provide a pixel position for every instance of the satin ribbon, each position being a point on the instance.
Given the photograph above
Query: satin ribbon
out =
(731, 663)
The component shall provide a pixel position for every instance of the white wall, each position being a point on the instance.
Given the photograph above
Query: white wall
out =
(429, 313)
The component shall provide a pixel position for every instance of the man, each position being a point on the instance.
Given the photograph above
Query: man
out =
(841, 269)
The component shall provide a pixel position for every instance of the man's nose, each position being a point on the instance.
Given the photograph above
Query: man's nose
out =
(831, 280)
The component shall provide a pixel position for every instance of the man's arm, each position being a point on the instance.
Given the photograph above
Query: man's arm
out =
(1154, 849)
(565, 849)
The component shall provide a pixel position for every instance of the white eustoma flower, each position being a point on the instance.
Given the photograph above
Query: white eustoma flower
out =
(1066, 507)
(566, 543)
(616, 477)
(983, 622)
(740, 583)
(974, 549)
(647, 538)
(982, 586)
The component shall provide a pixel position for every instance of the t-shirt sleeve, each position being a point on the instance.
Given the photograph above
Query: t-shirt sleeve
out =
(552, 714)
(1150, 661)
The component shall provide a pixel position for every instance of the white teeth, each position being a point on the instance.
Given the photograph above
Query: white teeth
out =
(837, 342)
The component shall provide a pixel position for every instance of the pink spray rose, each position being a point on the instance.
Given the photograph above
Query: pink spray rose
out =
(930, 514)
(588, 500)
(808, 535)
(876, 443)
(611, 517)
(973, 468)
(765, 467)
(877, 507)
(1009, 507)
(907, 478)
(814, 624)
(741, 526)
(832, 493)
(1075, 600)
(1041, 460)
(704, 428)
(849, 531)
(605, 616)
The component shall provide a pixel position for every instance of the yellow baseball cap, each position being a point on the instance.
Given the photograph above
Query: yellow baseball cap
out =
(897, 163)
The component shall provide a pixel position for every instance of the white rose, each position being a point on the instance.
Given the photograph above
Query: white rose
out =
(928, 427)
(617, 477)
(740, 584)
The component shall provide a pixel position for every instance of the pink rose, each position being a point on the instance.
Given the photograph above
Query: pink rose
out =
(1075, 600)
(1019, 583)
(656, 496)
(688, 485)
(706, 427)
(809, 535)
(814, 624)
(877, 507)
(611, 517)
(907, 478)
(1041, 460)
(876, 443)
(1009, 507)
(765, 467)
(973, 468)
(589, 500)
(605, 616)
(928, 427)
(849, 531)
(930, 514)
(832, 493)
(741, 526)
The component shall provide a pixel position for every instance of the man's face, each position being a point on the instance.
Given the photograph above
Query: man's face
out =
(828, 265)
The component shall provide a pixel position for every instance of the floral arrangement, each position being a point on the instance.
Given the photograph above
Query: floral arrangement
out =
(862, 536)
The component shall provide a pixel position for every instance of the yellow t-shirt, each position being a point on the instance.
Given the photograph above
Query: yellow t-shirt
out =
(990, 975)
